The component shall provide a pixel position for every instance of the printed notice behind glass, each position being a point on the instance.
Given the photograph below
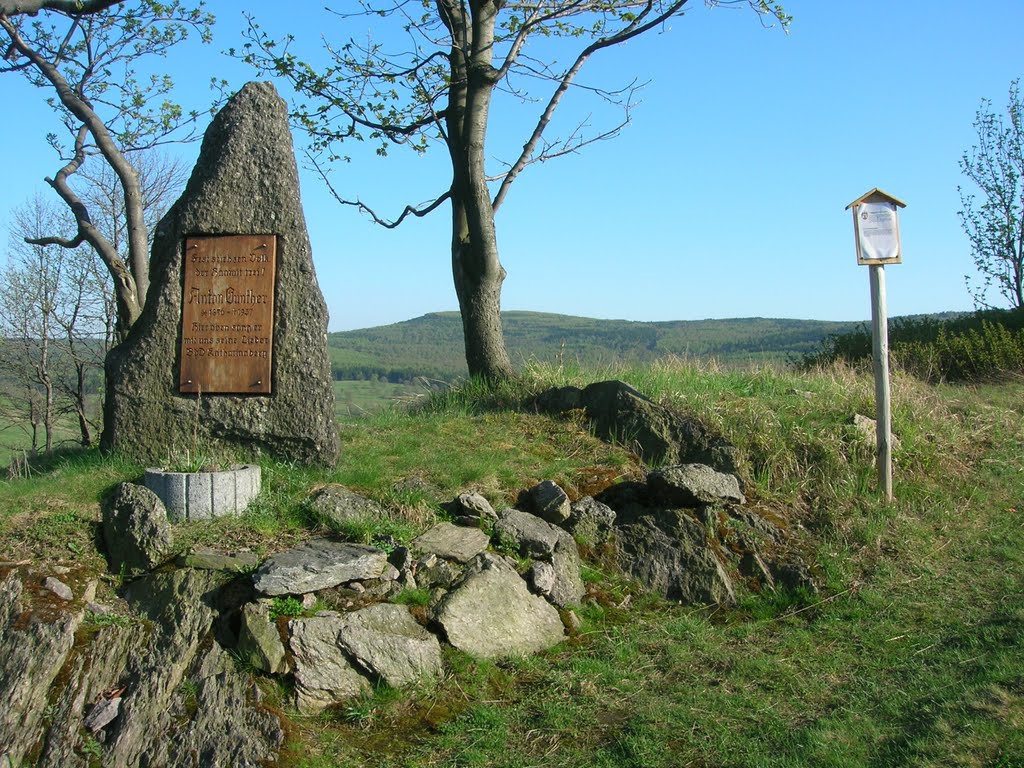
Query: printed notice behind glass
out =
(877, 234)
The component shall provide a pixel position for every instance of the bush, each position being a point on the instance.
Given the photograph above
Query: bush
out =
(978, 347)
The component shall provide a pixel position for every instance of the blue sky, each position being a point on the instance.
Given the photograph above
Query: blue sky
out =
(724, 198)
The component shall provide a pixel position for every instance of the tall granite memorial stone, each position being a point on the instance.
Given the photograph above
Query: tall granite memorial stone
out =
(231, 348)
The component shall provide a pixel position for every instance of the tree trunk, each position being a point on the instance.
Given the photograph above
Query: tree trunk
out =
(478, 278)
(476, 269)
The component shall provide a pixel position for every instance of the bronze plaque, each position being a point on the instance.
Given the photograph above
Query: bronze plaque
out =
(227, 317)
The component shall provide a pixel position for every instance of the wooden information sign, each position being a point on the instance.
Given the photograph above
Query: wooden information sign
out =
(227, 317)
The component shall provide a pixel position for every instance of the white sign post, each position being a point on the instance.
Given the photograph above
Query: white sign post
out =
(876, 229)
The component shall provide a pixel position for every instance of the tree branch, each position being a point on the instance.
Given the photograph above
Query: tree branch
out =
(637, 27)
(67, 7)
(409, 210)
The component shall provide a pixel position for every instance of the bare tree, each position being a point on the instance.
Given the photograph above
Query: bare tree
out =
(995, 226)
(28, 305)
(437, 87)
(87, 54)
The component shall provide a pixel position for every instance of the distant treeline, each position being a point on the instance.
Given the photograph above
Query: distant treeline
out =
(431, 346)
(981, 346)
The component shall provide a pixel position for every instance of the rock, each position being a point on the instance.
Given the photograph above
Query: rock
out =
(59, 588)
(868, 429)
(225, 727)
(471, 509)
(135, 529)
(671, 556)
(432, 572)
(619, 413)
(568, 588)
(793, 576)
(541, 577)
(560, 400)
(753, 567)
(337, 506)
(387, 643)
(491, 613)
(323, 673)
(205, 559)
(318, 564)
(245, 182)
(35, 645)
(549, 502)
(102, 714)
(178, 698)
(531, 536)
(590, 520)
(689, 485)
(259, 642)
(451, 542)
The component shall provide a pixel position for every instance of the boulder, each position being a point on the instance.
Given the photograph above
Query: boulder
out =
(135, 529)
(690, 485)
(451, 542)
(323, 673)
(549, 502)
(318, 564)
(387, 643)
(245, 182)
(337, 506)
(491, 613)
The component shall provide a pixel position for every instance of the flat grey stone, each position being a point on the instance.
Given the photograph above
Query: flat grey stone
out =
(318, 564)
(323, 673)
(452, 542)
(491, 613)
(102, 714)
(387, 642)
(693, 484)
(211, 560)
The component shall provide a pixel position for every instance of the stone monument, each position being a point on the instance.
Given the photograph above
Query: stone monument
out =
(231, 348)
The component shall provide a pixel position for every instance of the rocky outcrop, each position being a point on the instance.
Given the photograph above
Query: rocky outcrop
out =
(147, 689)
(245, 182)
(619, 413)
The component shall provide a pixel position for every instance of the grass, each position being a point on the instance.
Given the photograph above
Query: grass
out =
(911, 655)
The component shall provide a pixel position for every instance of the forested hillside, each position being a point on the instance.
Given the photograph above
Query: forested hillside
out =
(432, 345)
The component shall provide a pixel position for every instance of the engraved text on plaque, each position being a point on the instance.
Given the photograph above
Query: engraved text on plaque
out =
(227, 317)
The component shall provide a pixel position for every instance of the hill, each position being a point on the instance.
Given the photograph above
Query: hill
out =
(432, 345)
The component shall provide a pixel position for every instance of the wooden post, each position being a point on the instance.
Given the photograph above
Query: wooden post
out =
(883, 415)
(876, 229)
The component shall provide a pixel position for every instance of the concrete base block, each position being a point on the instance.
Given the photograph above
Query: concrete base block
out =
(204, 495)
